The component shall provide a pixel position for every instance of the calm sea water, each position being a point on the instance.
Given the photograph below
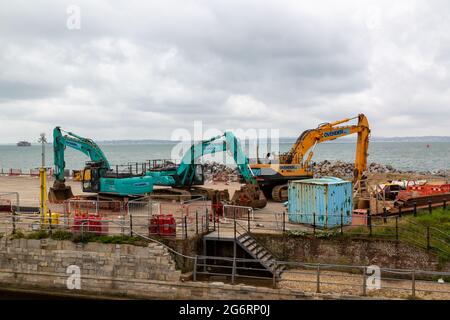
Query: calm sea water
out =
(402, 155)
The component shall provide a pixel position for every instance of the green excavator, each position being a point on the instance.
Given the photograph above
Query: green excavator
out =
(99, 177)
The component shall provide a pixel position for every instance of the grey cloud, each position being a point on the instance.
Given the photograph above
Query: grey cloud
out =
(140, 70)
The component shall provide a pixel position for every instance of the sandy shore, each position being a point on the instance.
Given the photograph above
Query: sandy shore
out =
(28, 188)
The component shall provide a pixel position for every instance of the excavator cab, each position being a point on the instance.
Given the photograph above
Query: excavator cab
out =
(91, 177)
(199, 177)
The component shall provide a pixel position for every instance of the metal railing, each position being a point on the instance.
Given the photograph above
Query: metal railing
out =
(393, 227)
(323, 278)
(329, 278)
(116, 218)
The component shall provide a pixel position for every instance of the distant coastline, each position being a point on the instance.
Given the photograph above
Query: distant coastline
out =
(350, 139)
(292, 140)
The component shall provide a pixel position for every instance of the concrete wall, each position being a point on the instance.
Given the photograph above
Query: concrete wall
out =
(384, 253)
(187, 247)
(109, 270)
(94, 259)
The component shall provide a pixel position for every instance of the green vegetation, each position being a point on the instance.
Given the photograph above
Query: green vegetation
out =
(18, 235)
(77, 238)
(37, 235)
(428, 231)
(61, 235)
(439, 218)
(110, 239)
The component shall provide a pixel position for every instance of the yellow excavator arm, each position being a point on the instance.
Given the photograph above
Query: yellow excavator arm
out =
(328, 132)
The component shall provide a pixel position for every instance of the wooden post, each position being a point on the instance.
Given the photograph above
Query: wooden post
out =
(274, 278)
(214, 209)
(218, 229)
(430, 208)
(196, 222)
(396, 228)
(428, 238)
(314, 223)
(131, 225)
(248, 220)
(185, 228)
(194, 276)
(284, 221)
(384, 215)
(364, 284)
(400, 211)
(235, 239)
(13, 217)
(415, 209)
(233, 275)
(318, 279)
(413, 280)
(50, 222)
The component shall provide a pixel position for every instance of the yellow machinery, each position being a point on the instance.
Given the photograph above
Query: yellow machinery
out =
(296, 164)
(43, 192)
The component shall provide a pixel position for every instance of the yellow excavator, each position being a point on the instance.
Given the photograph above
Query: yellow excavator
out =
(296, 164)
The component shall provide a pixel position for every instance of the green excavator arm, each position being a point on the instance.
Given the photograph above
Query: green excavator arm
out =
(230, 144)
(60, 192)
(85, 145)
(249, 195)
(98, 169)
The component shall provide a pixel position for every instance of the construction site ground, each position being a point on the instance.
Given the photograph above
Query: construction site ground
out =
(28, 187)
(266, 220)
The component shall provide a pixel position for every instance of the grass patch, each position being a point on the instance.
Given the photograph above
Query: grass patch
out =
(439, 218)
(38, 235)
(77, 238)
(61, 235)
(18, 235)
(109, 239)
(414, 231)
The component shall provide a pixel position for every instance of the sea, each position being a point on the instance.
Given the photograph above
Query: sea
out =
(416, 156)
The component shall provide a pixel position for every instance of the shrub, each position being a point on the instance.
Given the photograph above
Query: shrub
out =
(37, 235)
(61, 235)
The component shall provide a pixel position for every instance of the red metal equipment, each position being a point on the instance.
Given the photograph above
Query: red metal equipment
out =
(91, 223)
(79, 220)
(428, 189)
(420, 191)
(423, 195)
(163, 225)
(96, 225)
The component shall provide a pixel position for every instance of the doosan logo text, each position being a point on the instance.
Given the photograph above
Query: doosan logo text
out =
(336, 133)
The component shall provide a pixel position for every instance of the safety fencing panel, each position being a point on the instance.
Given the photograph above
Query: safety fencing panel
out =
(98, 217)
(168, 217)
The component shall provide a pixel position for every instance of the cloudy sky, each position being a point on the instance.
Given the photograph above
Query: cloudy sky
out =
(139, 70)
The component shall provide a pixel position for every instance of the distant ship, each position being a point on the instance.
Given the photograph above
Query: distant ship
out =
(23, 144)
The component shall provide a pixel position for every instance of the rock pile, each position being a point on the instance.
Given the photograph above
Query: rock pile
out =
(345, 170)
(214, 171)
(220, 172)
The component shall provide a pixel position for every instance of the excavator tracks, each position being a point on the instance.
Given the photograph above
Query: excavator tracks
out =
(279, 193)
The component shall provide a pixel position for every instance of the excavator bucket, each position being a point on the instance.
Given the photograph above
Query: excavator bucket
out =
(59, 192)
(249, 196)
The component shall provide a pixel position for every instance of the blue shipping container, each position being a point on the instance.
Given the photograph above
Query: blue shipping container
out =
(329, 200)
